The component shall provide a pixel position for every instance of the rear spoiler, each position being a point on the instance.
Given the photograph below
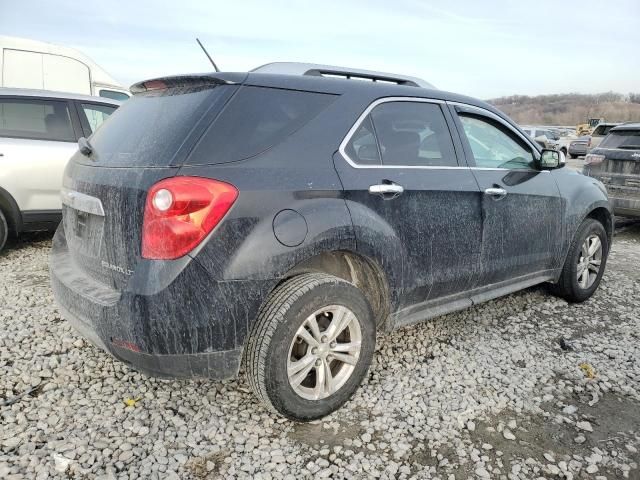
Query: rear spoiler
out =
(197, 80)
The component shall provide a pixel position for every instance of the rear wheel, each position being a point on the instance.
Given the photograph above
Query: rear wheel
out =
(585, 263)
(571, 155)
(4, 231)
(311, 346)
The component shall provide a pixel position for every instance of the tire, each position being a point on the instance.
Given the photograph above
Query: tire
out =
(275, 341)
(571, 286)
(571, 155)
(4, 231)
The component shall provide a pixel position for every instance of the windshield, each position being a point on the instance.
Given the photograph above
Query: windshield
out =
(622, 139)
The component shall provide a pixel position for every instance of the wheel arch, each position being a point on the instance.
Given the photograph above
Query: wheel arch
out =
(606, 218)
(11, 211)
(355, 268)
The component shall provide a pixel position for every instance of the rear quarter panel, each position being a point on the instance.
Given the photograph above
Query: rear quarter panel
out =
(296, 175)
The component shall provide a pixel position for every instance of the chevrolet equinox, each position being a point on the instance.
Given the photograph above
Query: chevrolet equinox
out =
(275, 220)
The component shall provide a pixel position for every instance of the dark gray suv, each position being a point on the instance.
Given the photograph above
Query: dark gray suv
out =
(277, 219)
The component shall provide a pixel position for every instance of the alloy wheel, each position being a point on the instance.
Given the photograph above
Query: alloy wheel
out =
(589, 261)
(324, 352)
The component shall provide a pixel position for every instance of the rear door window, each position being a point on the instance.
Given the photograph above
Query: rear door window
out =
(256, 119)
(413, 134)
(407, 133)
(622, 139)
(93, 115)
(36, 119)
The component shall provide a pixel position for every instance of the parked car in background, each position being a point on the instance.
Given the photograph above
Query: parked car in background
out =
(280, 217)
(578, 146)
(39, 132)
(601, 131)
(545, 137)
(616, 163)
(26, 63)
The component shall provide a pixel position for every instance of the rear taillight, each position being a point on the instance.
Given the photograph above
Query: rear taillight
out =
(589, 142)
(593, 159)
(180, 212)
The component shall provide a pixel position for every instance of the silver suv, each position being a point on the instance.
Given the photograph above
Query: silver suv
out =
(39, 131)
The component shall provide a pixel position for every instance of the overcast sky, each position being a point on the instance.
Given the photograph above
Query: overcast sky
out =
(479, 48)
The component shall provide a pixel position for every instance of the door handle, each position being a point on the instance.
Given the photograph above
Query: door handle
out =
(387, 191)
(496, 192)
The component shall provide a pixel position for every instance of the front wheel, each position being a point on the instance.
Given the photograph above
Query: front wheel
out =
(311, 346)
(585, 263)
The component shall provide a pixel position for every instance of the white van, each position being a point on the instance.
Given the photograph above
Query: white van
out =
(32, 64)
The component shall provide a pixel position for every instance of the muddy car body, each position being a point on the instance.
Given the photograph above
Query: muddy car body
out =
(346, 206)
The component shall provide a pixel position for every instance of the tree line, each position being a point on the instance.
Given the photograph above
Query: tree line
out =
(570, 108)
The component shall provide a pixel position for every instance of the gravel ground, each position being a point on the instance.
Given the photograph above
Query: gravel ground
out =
(485, 393)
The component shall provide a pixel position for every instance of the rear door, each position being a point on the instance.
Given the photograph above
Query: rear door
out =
(37, 138)
(521, 207)
(399, 166)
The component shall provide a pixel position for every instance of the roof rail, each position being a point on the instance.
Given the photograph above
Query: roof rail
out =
(316, 70)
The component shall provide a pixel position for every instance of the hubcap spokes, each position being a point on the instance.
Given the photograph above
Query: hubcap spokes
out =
(324, 352)
(589, 261)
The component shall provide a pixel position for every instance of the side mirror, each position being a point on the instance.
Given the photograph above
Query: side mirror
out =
(551, 159)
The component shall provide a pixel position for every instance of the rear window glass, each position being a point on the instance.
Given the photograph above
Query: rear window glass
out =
(602, 130)
(256, 119)
(150, 129)
(36, 119)
(622, 139)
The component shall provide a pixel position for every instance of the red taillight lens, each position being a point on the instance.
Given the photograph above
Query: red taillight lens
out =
(589, 142)
(180, 212)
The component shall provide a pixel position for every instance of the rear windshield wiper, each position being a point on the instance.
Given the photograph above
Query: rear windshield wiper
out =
(85, 147)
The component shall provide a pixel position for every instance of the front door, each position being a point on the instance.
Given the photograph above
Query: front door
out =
(521, 205)
(402, 179)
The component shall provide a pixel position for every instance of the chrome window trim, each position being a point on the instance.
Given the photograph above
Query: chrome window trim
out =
(367, 111)
(375, 103)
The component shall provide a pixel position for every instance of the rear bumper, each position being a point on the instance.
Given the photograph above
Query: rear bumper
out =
(213, 365)
(627, 207)
(191, 327)
(577, 150)
(625, 201)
